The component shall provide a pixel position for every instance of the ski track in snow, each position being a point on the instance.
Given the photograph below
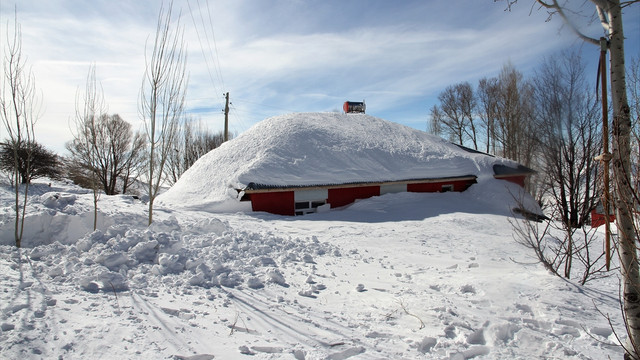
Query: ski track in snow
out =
(387, 277)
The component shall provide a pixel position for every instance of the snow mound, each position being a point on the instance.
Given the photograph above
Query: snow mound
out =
(205, 253)
(322, 148)
(62, 212)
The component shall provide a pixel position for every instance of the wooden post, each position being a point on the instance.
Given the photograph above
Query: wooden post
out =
(226, 118)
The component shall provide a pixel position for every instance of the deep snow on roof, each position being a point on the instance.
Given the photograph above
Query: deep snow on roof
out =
(304, 149)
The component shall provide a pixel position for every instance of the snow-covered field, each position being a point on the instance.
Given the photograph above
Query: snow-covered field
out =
(400, 276)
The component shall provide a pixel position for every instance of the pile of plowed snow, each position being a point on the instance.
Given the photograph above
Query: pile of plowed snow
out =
(204, 254)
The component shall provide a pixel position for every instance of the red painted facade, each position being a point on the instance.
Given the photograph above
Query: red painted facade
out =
(280, 203)
(345, 196)
(284, 202)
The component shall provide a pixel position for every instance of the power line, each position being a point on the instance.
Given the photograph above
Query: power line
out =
(238, 121)
(213, 52)
(206, 60)
(215, 45)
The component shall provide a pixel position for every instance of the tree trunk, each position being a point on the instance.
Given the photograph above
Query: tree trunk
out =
(623, 190)
(95, 208)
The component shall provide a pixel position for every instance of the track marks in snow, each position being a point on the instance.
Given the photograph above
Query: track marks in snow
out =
(25, 313)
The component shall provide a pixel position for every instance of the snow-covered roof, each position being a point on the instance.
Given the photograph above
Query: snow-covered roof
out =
(307, 149)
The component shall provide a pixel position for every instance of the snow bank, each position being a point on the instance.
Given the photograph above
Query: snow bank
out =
(64, 213)
(322, 148)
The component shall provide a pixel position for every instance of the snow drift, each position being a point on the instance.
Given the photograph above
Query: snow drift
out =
(304, 149)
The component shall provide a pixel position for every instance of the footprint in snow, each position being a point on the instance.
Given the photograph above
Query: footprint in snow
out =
(468, 289)
(524, 309)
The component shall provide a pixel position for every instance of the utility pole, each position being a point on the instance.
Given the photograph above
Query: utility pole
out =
(226, 118)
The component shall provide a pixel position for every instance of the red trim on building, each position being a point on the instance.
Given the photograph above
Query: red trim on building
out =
(345, 196)
(280, 203)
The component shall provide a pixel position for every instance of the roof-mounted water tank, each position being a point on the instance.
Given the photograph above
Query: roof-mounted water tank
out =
(354, 107)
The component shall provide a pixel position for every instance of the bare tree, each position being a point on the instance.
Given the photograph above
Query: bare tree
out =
(502, 107)
(108, 149)
(609, 12)
(435, 121)
(569, 134)
(134, 161)
(89, 106)
(468, 105)
(455, 114)
(514, 123)
(34, 161)
(18, 111)
(487, 95)
(162, 98)
(545, 240)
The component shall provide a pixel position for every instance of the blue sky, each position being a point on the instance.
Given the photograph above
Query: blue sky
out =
(277, 57)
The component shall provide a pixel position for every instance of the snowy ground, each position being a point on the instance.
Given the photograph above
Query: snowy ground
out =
(434, 276)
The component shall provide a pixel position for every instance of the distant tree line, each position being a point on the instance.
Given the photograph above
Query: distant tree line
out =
(193, 141)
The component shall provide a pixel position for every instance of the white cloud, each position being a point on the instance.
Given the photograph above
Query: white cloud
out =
(280, 56)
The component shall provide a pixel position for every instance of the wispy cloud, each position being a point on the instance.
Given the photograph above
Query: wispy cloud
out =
(279, 56)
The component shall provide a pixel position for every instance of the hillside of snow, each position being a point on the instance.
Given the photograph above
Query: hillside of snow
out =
(399, 276)
(322, 148)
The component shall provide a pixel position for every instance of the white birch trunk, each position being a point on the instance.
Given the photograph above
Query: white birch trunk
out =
(622, 179)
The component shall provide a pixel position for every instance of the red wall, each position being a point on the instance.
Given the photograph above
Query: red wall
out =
(281, 203)
(345, 196)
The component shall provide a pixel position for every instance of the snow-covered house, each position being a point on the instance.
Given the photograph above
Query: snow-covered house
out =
(298, 163)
